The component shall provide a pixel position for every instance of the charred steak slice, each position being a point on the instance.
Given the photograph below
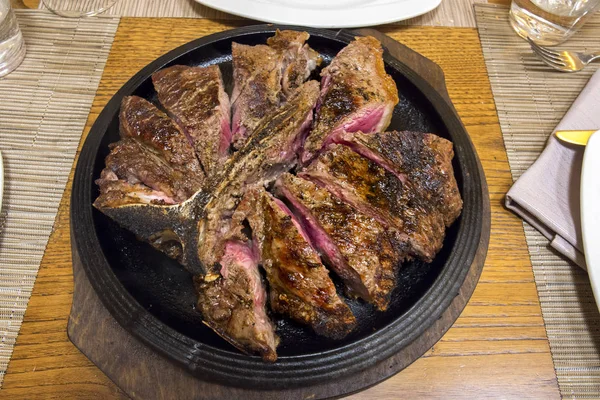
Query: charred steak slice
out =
(298, 59)
(154, 153)
(256, 78)
(115, 192)
(356, 95)
(357, 247)
(300, 286)
(272, 149)
(196, 99)
(149, 180)
(140, 119)
(381, 195)
(153, 217)
(135, 162)
(233, 302)
(264, 76)
(422, 161)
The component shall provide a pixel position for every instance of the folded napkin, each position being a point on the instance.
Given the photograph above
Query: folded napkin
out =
(547, 194)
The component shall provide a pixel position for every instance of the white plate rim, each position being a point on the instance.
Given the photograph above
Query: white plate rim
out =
(590, 211)
(351, 17)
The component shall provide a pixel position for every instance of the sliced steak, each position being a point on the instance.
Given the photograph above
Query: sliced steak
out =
(153, 163)
(149, 180)
(140, 119)
(196, 99)
(233, 302)
(356, 95)
(202, 222)
(298, 59)
(264, 76)
(256, 90)
(115, 192)
(300, 286)
(422, 161)
(272, 150)
(133, 161)
(381, 195)
(356, 246)
(162, 147)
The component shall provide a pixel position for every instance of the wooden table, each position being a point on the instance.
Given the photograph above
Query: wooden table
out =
(497, 348)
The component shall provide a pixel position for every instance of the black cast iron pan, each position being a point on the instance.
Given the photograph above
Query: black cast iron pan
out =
(153, 298)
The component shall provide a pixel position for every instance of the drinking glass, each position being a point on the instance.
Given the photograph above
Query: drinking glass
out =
(12, 45)
(78, 8)
(550, 22)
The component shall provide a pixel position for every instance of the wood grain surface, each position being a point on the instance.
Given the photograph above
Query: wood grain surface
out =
(25, 3)
(498, 346)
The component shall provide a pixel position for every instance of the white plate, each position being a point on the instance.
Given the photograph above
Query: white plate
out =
(590, 211)
(325, 14)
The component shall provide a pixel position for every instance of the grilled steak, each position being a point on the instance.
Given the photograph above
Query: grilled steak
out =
(135, 162)
(299, 284)
(150, 216)
(140, 119)
(271, 150)
(195, 98)
(363, 202)
(356, 95)
(152, 168)
(422, 161)
(259, 74)
(233, 302)
(256, 78)
(115, 192)
(161, 148)
(298, 60)
(381, 195)
(357, 247)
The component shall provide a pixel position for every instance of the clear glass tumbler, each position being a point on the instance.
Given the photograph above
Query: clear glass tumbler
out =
(550, 22)
(12, 45)
(78, 8)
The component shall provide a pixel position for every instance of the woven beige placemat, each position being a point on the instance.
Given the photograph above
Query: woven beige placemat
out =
(144, 8)
(448, 13)
(44, 105)
(531, 99)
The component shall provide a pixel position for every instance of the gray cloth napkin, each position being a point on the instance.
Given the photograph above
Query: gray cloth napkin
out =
(547, 194)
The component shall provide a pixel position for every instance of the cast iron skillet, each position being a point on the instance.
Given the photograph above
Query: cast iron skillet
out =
(153, 298)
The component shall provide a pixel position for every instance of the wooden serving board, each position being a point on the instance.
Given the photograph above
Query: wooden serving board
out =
(497, 347)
